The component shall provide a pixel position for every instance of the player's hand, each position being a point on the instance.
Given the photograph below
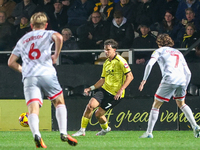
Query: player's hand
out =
(118, 95)
(87, 90)
(142, 85)
(54, 59)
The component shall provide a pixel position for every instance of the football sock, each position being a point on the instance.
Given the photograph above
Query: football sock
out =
(104, 126)
(152, 119)
(33, 121)
(188, 114)
(84, 122)
(61, 116)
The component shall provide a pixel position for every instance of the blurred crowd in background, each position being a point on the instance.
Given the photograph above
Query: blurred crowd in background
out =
(86, 24)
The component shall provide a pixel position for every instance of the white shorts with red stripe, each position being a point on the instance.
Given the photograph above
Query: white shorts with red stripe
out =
(166, 91)
(36, 87)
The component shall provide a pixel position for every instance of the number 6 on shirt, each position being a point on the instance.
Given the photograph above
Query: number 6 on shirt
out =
(32, 50)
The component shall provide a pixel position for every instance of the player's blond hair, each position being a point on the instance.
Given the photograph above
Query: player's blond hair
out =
(164, 40)
(38, 20)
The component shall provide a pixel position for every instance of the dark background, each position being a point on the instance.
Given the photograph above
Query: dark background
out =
(74, 78)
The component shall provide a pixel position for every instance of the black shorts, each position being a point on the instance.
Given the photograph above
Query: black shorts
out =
(106, 99)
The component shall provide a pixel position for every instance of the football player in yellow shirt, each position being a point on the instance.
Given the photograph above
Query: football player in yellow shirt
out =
(115, 77)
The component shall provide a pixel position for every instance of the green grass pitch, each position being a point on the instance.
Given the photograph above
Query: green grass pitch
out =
(114, 140)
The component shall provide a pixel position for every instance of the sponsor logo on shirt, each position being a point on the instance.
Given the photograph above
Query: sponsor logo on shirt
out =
(109, 72)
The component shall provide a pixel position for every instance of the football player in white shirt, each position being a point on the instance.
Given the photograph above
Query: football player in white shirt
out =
(39, 75)
(175, 79)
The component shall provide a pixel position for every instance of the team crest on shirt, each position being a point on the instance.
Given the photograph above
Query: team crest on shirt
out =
(126, 65)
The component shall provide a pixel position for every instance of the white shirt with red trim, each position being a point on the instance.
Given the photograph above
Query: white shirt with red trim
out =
(35, 50)
(173, 66)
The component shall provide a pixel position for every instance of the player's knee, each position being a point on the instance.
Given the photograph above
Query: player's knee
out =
(59, 100)
(157, 104)
(89, 107)
(34, 108)
(180, 102)
(56, 103)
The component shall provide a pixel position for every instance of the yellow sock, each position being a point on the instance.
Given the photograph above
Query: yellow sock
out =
(84, 122)
(104, 126)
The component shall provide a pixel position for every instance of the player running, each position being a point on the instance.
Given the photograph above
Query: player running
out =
(115, 77)
(175, 79)
(39, 75)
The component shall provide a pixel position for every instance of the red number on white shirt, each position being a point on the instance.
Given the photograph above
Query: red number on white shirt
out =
(177, 59)
(32, 50)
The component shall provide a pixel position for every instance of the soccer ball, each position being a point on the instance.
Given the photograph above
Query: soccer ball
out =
(23, 119)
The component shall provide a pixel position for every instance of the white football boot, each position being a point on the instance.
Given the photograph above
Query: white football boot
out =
(80, 132)
(196, 131)
(103, 132)
(146, 135)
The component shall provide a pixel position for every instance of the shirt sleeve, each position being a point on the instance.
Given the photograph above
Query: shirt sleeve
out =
(187, 74)
(51, 33)
(17, 50)
(186, 70)
(103, 74)
(154, 57)
(125, 67)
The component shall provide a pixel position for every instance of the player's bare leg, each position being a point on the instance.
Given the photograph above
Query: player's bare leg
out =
(102, 121)
(93, 103)
(189, 115)
(99, 114)
(152, 119)
(33, 121)
(61, 116)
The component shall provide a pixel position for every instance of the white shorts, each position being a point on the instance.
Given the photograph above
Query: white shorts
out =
(36, 87)
(166, 91)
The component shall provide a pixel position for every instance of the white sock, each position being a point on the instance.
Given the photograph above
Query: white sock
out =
(188, 114)
(33, 121)
(152, 119)
(82, 129)
(61, 116)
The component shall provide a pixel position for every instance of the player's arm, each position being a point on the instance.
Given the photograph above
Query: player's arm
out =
(129, 78)
(147, 71)
(97, 85)
(58, 40)
(12, 63)
(187, 74)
